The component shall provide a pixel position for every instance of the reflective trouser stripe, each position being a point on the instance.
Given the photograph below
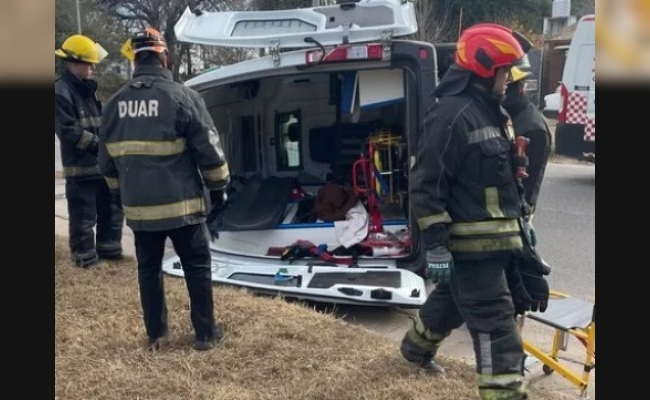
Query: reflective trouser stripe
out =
(80, 171)
(109, 249)
(496, 387)
(485, 227)
(501, 387)
(109, 246)
(423, 337)
(485, 347)
(511, 381)
(78, 256)
(486, 244)
(492, 202)
(165, 211)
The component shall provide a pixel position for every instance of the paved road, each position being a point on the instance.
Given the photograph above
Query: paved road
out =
(565, 222)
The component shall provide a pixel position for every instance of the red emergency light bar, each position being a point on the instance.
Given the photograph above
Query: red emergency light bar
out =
(348, 52)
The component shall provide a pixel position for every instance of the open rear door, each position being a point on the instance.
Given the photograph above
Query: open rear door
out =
(374, 286)
(328, 25)
(373, 282)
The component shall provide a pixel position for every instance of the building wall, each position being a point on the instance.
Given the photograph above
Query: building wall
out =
(556, 60)
(552, 66)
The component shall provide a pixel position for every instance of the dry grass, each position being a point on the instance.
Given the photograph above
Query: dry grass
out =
(272, 349)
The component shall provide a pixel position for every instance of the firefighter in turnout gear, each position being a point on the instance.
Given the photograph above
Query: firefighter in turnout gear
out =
(529, 122)
(77, 117)
(159, 149)
(468, 205)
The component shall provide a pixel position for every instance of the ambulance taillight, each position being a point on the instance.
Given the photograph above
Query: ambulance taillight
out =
(343, 53)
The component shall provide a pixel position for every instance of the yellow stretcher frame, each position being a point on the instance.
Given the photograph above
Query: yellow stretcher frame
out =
(583, 330)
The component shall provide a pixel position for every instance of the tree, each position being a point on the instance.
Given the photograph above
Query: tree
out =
(450, 17)
(110, 22)
(162, 15)
(583, 7)
(101, 28)
(433, 21)
(94, 23)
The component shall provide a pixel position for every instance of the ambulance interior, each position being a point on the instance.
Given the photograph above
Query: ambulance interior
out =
(286, 136)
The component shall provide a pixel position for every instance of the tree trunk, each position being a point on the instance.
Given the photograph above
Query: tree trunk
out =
(188, 53)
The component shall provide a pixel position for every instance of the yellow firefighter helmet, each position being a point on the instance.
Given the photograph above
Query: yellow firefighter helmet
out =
(519, 74)
(81, 48)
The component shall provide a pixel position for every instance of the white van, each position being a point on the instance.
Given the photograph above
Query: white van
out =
(343, 106)
(575, 132)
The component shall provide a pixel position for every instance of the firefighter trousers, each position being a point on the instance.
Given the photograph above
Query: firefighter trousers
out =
(95, 221)
(193, 248)
(477, 295)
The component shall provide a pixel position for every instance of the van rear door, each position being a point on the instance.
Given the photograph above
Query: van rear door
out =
(327, 25)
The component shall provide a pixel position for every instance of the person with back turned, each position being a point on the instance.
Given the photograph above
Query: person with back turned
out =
(159, 149)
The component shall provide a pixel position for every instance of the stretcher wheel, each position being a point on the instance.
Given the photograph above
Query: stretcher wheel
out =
(547, 370)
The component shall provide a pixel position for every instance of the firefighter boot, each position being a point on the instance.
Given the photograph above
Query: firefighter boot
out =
(207, 344)
(86, 262)
(420, 356)
(518, 392)
(156, 343)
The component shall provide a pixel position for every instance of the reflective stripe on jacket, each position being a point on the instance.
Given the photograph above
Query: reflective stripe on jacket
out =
(158, 149)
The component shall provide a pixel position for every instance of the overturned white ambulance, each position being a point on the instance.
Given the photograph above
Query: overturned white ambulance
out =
(319, 136)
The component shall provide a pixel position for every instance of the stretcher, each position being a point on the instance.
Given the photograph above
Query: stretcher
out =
(570, 318)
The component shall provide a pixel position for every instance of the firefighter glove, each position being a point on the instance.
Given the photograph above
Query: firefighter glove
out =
(439, 264)
(529, 231)
(217, 199)
(532, 270)
(537, 288)
(93, 147)
(520, 297)
(533, 263)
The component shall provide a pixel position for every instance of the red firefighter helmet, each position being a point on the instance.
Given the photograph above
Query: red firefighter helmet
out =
(148, 39)
(483, 48)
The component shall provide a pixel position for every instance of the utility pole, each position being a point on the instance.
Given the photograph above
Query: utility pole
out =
(78, 18)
